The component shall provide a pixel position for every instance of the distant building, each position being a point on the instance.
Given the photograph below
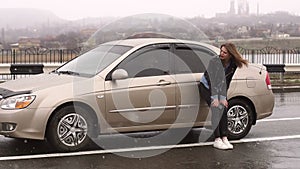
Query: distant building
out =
(50, 42)
(2, 36)
(232, 8)
(242, 30)
(29, 43)
(25, 43)
(88, 32)
(257, 9)
(243, 7)
(279, 35)
(219, 39)
(14, 46)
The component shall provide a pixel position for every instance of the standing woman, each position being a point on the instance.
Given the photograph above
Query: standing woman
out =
(213, 88)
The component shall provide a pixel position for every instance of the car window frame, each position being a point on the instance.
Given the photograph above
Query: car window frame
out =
(140, 51)
(199, 47)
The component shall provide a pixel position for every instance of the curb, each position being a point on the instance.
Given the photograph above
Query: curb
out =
(280, 89)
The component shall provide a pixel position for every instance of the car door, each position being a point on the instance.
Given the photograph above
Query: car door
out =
(146, 99)
(190, 63)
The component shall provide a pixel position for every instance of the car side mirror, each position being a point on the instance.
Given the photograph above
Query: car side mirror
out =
(119, 74)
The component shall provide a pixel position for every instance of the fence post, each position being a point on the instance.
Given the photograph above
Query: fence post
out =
(283, 56)
(283, 61)
(14, 60)
(252, 55)
(14, 56)
(61, 55)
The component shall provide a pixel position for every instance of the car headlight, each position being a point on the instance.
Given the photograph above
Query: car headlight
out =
(17, 102)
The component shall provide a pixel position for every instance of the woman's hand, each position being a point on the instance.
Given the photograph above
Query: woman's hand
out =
(215, 103)
(224, 102)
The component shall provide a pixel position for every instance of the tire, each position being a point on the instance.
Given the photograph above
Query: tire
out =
(240, 118)
(69, 129)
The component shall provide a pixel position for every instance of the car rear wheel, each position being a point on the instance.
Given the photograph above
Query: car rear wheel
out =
(69, 129)
(240, 118)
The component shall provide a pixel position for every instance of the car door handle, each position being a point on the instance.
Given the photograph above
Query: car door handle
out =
(163, 83)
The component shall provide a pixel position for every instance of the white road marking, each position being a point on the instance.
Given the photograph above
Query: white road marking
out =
(279, 119)
(123, 150)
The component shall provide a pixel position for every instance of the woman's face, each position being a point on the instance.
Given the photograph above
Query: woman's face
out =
(224, 54)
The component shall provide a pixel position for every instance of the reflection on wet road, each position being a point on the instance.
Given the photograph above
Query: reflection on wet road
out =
(273, 142)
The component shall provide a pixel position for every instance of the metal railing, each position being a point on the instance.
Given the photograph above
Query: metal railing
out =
(267, 55)
(290, 58)
(37, 55)
(271, 55)
(276, 60)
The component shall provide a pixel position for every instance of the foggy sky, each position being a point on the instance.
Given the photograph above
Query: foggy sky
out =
(76, 9)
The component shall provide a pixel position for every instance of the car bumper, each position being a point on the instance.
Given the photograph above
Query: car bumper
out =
(24, 123)
(264, 105)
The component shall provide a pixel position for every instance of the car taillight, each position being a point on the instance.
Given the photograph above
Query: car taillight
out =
(268, 81)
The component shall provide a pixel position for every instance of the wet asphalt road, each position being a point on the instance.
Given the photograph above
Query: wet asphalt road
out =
(272, 143)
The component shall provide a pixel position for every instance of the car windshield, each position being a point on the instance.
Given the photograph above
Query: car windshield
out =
(93, 61)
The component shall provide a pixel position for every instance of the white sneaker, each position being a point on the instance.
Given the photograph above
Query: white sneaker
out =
(220, 145)
(227, 143)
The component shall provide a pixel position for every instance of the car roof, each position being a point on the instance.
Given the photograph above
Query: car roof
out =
(145, 41)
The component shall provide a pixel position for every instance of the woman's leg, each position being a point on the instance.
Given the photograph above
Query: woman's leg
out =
(215, 120)
(216, 113)
(224, 129)
(224, 123)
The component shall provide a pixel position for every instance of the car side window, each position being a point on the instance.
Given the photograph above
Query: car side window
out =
(148, 61)
(191, 58)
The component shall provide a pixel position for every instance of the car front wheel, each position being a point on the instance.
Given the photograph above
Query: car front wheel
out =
(68, 129)
(240, 118)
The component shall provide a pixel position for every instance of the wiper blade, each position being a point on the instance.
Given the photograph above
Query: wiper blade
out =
(68, 72)
(54, 71)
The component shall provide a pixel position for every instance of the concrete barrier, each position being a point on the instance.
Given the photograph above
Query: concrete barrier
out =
(275, 68)
(4, 68)
(48, 67)
(292, 68)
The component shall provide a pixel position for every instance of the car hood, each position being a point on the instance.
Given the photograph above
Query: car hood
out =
(37, 82)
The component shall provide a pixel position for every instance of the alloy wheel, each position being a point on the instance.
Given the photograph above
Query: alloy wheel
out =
(238, 119)
(72, 129)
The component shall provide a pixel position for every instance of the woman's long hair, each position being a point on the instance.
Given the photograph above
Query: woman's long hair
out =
(235, 55)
